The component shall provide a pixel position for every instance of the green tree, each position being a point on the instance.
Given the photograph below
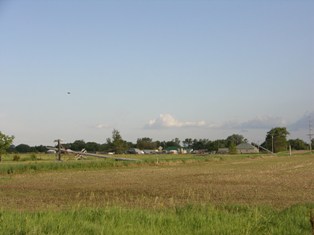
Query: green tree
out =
(5, 143)
(23, 148)
(78, 145)
(235, 139)
(173, 143)
(216, 144)
(92, 147)
(177, 142)
(118, 144)
(188, 142)
(146, 143)
(276, 139)
(298, 144)
(232, 148)
(40, 148)
(200, 144)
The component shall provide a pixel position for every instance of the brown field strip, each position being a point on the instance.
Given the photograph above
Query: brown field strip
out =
(274, 181)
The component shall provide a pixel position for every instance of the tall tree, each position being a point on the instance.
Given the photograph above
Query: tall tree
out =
(118, 144)
(235, 139)
(232, 148)
(5, 143)
(188, 142)
(177, 142)
(276, 139)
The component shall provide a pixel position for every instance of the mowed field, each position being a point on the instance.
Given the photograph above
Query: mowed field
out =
(256, 181)
(268, 180)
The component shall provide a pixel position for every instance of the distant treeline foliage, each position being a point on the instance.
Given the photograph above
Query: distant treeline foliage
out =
(276, 139)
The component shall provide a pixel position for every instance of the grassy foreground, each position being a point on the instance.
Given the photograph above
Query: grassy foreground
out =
(239, 194)
(180, 220)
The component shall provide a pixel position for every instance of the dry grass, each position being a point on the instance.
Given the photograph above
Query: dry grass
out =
(274, 181)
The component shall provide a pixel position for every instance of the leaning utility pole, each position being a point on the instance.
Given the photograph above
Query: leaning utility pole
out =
(59, 149)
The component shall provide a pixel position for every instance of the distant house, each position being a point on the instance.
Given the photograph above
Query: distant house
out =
(247, 148)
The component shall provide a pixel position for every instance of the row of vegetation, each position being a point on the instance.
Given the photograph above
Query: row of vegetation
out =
(276, 141)
(32, 163)
(190, 219)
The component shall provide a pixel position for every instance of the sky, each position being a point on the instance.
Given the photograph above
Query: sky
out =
(76, 70)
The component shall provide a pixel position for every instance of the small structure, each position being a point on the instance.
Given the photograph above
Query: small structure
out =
(135, 151)
(51, 151)
(246, 148)
(150, 151)
(172, 150)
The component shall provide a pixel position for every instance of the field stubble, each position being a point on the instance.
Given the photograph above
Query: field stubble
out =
(275, 181)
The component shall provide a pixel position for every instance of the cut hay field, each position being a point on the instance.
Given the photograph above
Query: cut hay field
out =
(229, 187)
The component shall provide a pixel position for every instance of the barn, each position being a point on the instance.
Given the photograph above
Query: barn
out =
(246, 148)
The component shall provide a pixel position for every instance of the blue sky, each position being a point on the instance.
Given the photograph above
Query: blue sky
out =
(158, 69)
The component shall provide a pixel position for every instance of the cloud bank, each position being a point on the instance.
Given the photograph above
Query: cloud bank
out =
(259, 123)
(165, 121)
(303, 122)
(168, 121)
(263, 122)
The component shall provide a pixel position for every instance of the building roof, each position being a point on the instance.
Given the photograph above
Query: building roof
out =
(245, 146)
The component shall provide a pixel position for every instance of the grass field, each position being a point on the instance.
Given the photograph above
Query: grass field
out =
(161, 194)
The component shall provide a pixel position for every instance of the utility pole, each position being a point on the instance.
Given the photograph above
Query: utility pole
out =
(310, 133)
(272, 143)
(59, 149)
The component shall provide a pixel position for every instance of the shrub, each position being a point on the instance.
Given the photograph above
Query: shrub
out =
(16, 157)
(33, 157)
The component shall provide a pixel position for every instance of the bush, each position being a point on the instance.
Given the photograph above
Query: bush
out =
(33, 157)
(16, 157)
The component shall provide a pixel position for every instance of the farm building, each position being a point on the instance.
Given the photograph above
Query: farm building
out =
(246, 148)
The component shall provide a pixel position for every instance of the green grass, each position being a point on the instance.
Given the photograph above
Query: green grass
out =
(31, 163)
(190, 219)
(37, 166)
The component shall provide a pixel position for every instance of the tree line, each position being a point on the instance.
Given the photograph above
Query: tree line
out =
(275, 141)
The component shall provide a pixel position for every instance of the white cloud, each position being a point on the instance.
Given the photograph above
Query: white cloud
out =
(102, 126)
(168, 121)
(263, 122)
